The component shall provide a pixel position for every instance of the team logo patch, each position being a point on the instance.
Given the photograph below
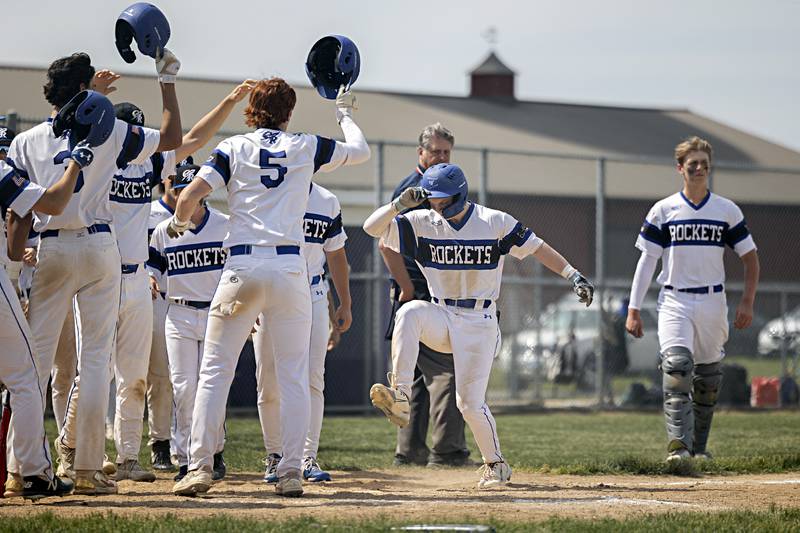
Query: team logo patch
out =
(138, 116)
(188, 173)
(270, 136)
(19, 181)
(3, 133)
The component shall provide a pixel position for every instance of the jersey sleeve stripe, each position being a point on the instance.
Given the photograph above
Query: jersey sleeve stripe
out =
(20, 171)
(220, 162)
(325, 148)
(156, 260)
(131, 146)
(516, 237)
(736, 234)
(11, 186)
(408, 241)
(158, 167)
(652, 234)
(335, 228)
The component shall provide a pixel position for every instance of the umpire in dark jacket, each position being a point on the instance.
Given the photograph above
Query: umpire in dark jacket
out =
(433, 395)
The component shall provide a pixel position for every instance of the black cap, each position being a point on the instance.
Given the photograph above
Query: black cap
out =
(129, 113)
(188, 161)
(6, 135)
(184, 176)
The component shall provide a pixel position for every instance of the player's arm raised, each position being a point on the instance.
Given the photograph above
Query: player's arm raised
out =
(167, 67)
(378, 222)
(206, 127)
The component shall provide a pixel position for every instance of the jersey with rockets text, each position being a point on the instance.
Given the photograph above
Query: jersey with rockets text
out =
(17, 194)
(267, 174)
(40, 156)
(193, 262)
(131, 195)
(159, 212)
(463, 260)
(323, 228)
(690, 239)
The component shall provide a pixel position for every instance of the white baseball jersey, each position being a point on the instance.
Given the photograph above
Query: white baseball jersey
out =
(464, 260)
(159, 212)
(40, 156)
(131, 195)
(250, 166)
(193, 262)
(690, 239)
(323, 229)
(17, 194)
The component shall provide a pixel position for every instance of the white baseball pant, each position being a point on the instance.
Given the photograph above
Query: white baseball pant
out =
(267, 382)
(698, 322)
(185, 330)
(159, 386)
(28, 452)
(65, 368)
(472, 336)
(86, 265)
(277, 286)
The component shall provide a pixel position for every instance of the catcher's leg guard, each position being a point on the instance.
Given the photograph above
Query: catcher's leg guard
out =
(707, 382)
(676, 366)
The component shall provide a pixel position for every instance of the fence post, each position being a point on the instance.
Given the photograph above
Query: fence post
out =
(484, 180)
(599, 274)
(374, 362)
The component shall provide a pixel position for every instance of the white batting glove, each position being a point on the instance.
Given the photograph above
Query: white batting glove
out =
(345, 104)
(176, 227)
(167, 66)
(410, 198)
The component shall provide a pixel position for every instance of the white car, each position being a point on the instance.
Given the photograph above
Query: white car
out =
(770, 336)
(538, 348)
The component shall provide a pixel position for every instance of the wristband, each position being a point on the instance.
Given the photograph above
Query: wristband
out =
(568, 271)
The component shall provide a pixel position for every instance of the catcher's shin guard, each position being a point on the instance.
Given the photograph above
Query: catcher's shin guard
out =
(707, 382)
(676, 366)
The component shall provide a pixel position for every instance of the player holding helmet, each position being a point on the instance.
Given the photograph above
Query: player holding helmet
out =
(460, 247)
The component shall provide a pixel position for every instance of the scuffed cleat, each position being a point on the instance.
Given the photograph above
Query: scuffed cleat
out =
(13, 488)
(109, 468)
(66, 459)
(704, 456)
(271, 471)
(392, 402)
(194, 482)
(93, 483)
(160, 457)
(131, 469)
(36, 487)
(290, 484)
(681, 454)
(219, 469)
(312, 472)
(493, 474)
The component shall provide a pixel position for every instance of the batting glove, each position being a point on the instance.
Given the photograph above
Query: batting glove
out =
(345, 104)
(410, 198)
(176, 227)
(82, 154)
(582, 287)
(167, 66)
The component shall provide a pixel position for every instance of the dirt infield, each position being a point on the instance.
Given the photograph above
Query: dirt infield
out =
(438, 494)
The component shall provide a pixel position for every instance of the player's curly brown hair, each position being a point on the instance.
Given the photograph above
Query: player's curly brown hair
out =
(692, 144)
(65, 76)
(270, 105)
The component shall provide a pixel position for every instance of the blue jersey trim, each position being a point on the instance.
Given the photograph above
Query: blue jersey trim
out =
(166, 206)
(458, 225)
(324, 152)
(459, 254)
(220, 162)
(202, 224)
(20, 171)
(698, 206)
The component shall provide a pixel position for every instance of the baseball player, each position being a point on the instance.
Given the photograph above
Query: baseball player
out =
(78, 256)
(267, 174)
(688, 231)
(460, 248)
(192, 264)
(324, 242)
(29, 465)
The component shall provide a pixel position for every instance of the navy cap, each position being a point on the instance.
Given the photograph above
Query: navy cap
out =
(129, 113)
(184, 176)
(6, 135)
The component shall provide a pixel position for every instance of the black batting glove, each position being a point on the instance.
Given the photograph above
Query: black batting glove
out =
(582, 288)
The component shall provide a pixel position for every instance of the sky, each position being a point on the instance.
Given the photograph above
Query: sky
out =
(735, 61)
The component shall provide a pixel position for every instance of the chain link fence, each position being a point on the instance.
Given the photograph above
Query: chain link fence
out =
(555, 353)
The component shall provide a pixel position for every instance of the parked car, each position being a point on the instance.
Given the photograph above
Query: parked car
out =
(770, 336)
(539, 350)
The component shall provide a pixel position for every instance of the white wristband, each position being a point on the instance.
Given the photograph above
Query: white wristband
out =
(567, 271)
(167, 78)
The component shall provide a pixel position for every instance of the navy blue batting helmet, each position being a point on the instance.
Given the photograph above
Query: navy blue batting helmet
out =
(443, 181)
(332, 62)
(147, 25)
(89, 117)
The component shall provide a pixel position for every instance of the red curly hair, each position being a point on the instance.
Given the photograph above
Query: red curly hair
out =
(271, 104)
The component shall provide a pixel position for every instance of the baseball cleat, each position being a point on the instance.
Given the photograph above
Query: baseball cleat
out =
(195, 482)
(493, 474)
(66, 459)
(219, 468)
(13, 486)
(160, 457)
(312, 472)
(681, 454)
(704, 456)
(290, 485)
(271, 471)
(109, 468)
(392, 402)
(131, 469)
(93, 483)
(36, 487)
